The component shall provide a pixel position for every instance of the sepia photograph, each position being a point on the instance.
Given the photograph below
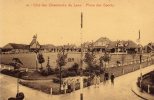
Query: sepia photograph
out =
(76, 50)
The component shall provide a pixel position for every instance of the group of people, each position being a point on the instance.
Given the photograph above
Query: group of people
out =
(68, 86)
(107, 77)
(96, 79)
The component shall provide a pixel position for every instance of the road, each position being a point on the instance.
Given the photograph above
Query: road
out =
(120, 91)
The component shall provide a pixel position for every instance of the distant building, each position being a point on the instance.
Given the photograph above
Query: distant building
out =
(48, 48)
(123, 47)
(15, 48)
(34, 44)
(101, 44)
(149, 48)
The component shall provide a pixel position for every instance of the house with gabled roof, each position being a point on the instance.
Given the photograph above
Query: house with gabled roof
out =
(15, 48)
(123, 47)
(149, 47)
(34, 44)
(101, 44)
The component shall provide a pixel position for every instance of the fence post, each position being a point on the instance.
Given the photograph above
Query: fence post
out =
(51, 91)
(123, 71)
(148, 88)
(26, 69)
(133, 67)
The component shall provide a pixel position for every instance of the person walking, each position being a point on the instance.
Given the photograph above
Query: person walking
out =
(69, 88)
(112, 79)
(98, 81)
(73, 85)
(106, 77)
(88, 81)
(65, 87)
(95, 80)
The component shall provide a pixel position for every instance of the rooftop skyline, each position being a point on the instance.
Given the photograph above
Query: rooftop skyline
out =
(61, 25)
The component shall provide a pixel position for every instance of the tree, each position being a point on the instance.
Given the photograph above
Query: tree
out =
(101, 62)
(75, 68)
(106, 58)
(40, 59)
(16, 63)
(61, 61)
(90, 60)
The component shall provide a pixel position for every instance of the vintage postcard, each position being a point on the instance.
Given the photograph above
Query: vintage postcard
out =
(76, 49)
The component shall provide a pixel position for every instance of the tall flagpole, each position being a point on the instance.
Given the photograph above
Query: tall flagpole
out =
(140, 53)
(81, 66)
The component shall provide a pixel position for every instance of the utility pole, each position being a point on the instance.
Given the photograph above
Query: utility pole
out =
(81, 66)
(140, 57)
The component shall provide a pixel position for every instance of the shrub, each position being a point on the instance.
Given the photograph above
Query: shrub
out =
(50, 71)
(152, 76)
(63, 74)
(14, 73)
(56, 80)
(56, 70)
(72, 73)
(46, 71)
(75, 68)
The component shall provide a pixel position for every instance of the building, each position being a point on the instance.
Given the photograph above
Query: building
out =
(101, 44)
(104, 44)
(15, 48)
(48, 48)
(34, 44)
(149, 48)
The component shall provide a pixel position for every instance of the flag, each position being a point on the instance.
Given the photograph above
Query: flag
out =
(139, 35)
(81, 20)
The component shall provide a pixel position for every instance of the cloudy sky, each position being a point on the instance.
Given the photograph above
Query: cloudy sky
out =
(56, 23)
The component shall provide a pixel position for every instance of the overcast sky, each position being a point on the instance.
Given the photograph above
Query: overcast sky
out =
(21, 19)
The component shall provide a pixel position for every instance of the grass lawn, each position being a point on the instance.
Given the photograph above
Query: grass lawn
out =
(43, 86)
(37, 76)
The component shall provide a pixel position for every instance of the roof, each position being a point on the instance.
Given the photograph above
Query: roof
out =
(127, 44)
(102, 42)
(70, 46)
(103, 39)
(112, 44)
(16, 46)
(132, 44)
(47, 46)
(150, 45)
(34, 41)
